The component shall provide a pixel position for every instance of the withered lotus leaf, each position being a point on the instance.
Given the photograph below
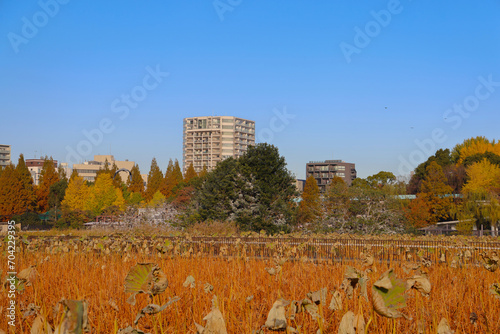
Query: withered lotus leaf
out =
(27, 274)
(190, 282)
(490, 262)
(153, 309)
(352, 278)
(208, 287)
(215, 323)
(495, 290)
(273, 270)
(311, 308)
(336, 303)
(145, 278)
(368, 261)
(347, 324)
(276, 319)
(199, 328)
(408, 267)
(75, 319)
(30, 310)
(113, 304)
(420, 283)
(359, 324)
(444, 327)
(40, 326)
(387, 302)
(130, 330)
(318, 297)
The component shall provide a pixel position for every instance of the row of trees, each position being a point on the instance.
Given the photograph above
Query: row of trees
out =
(257, 191)
(72, 201)
(471, 172)
(368, 206)
(19, 195)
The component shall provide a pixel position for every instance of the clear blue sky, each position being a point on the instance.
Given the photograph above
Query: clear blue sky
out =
(359, 89)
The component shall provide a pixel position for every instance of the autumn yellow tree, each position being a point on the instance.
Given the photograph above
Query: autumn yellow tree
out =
(473, 146)
(157, 200)
(483, 177)
(77, 194)
(104, 195)
(481, 196)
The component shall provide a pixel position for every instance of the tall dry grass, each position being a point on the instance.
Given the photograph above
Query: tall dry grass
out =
(99, 278)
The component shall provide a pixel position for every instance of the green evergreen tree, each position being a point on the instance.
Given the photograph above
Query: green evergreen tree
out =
(62, 173)
(436, 190)
(256, 190)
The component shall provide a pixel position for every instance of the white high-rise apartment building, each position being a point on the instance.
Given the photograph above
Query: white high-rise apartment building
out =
(210, 139)
(4, 155)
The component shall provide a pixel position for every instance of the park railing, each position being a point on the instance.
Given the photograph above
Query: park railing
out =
(300, 249)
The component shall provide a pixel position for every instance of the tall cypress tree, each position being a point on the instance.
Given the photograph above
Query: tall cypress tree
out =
(26, 195)
(10, 185)
(177, 173)
(48, 176)
(190, 173)
(168, 183)
(310, 206)
(136, 184)
(155, 179)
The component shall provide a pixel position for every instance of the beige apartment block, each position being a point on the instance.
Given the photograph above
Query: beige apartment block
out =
(4, 155)
(88, 170)
(210, 139)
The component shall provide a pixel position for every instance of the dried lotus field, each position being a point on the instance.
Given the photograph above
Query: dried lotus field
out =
(125, 283)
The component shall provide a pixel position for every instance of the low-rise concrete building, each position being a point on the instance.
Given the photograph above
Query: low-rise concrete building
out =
(325, 171)
(35, 167)
(88, 170)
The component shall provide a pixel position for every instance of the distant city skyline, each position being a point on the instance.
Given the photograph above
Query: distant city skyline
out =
(382, 84)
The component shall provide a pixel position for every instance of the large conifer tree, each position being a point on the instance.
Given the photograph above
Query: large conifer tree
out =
(27, 196)
(136, 183)
(48, 176)
(155, 179)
